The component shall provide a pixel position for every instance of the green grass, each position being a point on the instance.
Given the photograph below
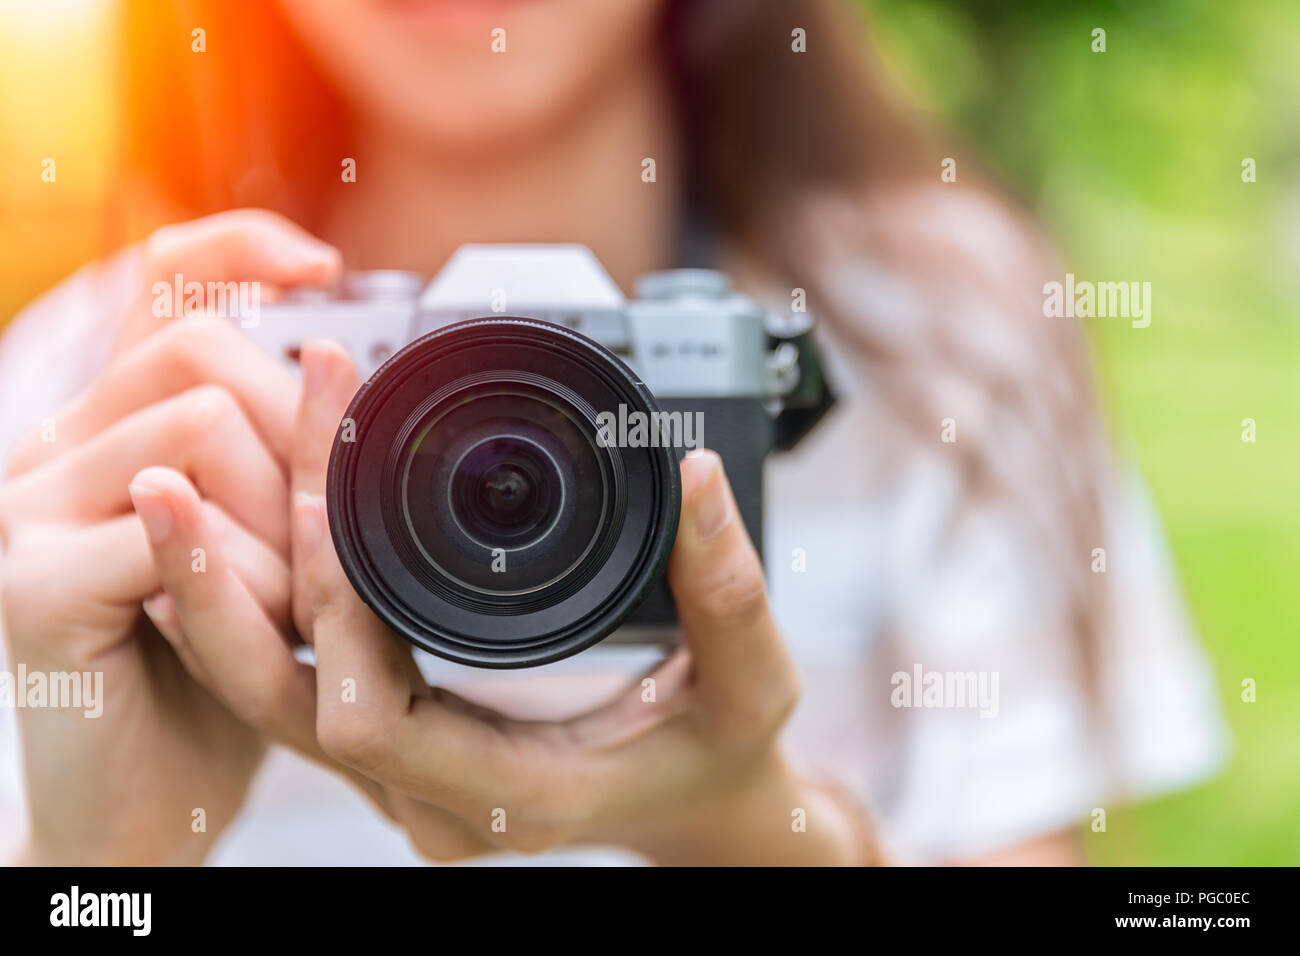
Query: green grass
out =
(1234, 524)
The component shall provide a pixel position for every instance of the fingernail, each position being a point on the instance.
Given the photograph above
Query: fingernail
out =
(155, 514)
(310, 522)
(713, 506)
(315, 372)
(160, 608)
(311, 251)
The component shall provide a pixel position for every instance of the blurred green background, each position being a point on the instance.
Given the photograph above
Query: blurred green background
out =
(1133, 158)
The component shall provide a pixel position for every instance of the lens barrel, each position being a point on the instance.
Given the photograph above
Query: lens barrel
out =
(474, 506)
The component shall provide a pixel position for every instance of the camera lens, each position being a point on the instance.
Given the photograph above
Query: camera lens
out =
(503, 490)
(502, 493)
(473, 507)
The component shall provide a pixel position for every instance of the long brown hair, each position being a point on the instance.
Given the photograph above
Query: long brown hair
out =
(795, 159)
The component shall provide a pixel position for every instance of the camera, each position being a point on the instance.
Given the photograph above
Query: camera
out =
(504, 490)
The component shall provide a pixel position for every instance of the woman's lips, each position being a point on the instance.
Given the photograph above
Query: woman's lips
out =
(452, 10)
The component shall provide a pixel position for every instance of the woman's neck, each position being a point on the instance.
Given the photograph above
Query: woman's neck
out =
(578, 181)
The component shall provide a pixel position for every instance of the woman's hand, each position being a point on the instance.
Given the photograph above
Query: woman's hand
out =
(687, 772)
(240, 246)
(163, 768)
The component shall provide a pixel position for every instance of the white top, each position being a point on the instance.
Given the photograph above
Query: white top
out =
(882, 592)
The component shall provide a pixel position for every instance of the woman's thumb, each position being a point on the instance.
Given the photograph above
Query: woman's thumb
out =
(717, 581)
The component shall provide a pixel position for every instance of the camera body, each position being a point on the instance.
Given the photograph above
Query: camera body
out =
(705, 365)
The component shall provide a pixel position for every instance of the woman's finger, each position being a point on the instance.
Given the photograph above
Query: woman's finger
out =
(234, 631)
(192, 538)
(240, 245)
(439, 754)
(202, 432)
(438, 834)
(51, 570)
(330, 378)
(744, 672)
(162, 614)
(647, 702)
(57, 572)
(408, 741)
(329, 382)
(186, 354)
(226, 624)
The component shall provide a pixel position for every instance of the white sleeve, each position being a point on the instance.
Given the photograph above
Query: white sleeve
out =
(1041, 751)
(57, 345)
(50, 351)
(1164, 701)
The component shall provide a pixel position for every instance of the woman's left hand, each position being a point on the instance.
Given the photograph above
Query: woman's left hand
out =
(683, 767)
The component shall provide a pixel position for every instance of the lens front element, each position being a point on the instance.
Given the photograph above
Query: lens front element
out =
(506, 490)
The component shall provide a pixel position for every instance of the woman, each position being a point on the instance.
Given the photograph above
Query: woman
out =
(946, 520)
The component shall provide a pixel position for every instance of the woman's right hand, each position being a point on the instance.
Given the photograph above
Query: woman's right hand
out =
(196, 395)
